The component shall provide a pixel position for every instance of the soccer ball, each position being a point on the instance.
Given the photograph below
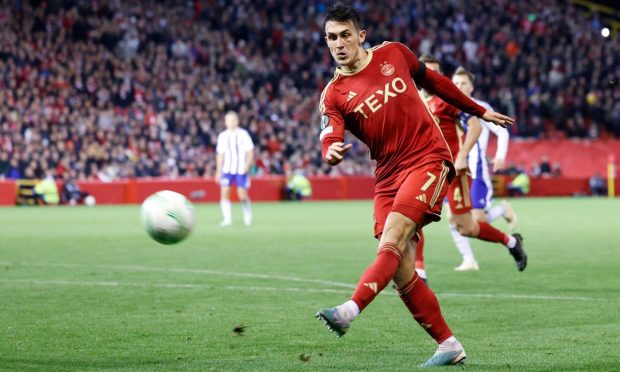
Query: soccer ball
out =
(167, 216)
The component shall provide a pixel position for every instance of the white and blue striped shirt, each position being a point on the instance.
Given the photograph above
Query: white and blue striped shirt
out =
(234, 145)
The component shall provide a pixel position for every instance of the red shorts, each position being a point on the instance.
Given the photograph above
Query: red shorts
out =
(417, 194)
(459, 197)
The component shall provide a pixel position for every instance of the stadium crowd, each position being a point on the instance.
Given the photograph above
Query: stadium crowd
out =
(109, 90)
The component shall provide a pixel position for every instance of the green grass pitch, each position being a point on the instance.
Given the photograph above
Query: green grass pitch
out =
(84, 289)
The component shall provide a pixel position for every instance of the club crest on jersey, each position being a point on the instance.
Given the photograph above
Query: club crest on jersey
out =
(324, 121)
(387, 69)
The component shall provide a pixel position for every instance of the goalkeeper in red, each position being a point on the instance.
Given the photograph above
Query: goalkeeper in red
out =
(373, 95)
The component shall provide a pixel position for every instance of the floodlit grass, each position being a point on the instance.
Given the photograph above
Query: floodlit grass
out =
(87, 289)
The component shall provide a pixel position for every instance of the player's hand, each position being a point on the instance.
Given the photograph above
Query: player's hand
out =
(499, 164)
(460, 164)
(335, 152)
(498, 119)
(218, 177)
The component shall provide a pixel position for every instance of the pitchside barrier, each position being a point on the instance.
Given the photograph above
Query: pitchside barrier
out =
(270, 188)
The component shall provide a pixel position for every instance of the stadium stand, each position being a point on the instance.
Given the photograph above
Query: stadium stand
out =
(116, 90)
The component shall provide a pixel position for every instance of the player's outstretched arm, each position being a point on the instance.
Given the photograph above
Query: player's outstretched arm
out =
(498, 119)
(446, 90)
(335, 153)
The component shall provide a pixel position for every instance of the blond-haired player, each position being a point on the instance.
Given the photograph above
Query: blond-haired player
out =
(481, 187)
(235, 153)
(453, 124)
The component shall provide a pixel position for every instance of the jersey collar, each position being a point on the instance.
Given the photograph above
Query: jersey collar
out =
(362, 66)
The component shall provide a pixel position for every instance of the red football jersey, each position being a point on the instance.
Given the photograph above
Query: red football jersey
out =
(379, 104)
(448, 116)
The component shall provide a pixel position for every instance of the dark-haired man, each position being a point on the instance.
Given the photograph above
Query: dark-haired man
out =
(373, 95)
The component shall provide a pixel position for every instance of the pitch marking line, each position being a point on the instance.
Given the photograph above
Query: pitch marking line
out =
(259, 276)
(193, 271)
(522, 296)
(167, 285)
(280, 289)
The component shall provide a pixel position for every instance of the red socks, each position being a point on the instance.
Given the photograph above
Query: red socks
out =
(377, 275)
(424, 307)
(416, 295)
(491, 234)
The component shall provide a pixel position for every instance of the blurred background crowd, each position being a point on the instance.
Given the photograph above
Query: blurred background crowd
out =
(114, 89)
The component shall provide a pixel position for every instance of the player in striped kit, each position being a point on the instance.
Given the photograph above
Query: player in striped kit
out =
(481, 188)
(235, 153)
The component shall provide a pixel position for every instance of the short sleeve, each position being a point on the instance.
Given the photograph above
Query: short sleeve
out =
(220, 147)
(249, 145)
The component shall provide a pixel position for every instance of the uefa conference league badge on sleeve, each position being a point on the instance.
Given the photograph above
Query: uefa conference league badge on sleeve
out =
(325, 128)
(324, 121)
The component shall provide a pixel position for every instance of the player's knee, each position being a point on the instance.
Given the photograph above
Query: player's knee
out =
(465, 229)
(398, 232)
(479, 215)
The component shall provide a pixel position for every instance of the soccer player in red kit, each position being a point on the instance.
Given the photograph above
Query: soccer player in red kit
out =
(373, 95)
(459, 197)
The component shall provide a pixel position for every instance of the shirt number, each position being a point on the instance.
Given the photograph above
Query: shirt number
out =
(457, 195)
(431, 178)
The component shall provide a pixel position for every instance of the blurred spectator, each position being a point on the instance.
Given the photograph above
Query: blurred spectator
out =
(297, 186)
(520, 186)
(71, 192)
(14, 172)
(118, 89)
(512, 169)
(597, 185)
(545, 167)
(46, 191)
(4, 165)
(556, 169)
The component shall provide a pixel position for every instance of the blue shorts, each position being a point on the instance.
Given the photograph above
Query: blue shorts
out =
(481, 193)
(241, 180)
